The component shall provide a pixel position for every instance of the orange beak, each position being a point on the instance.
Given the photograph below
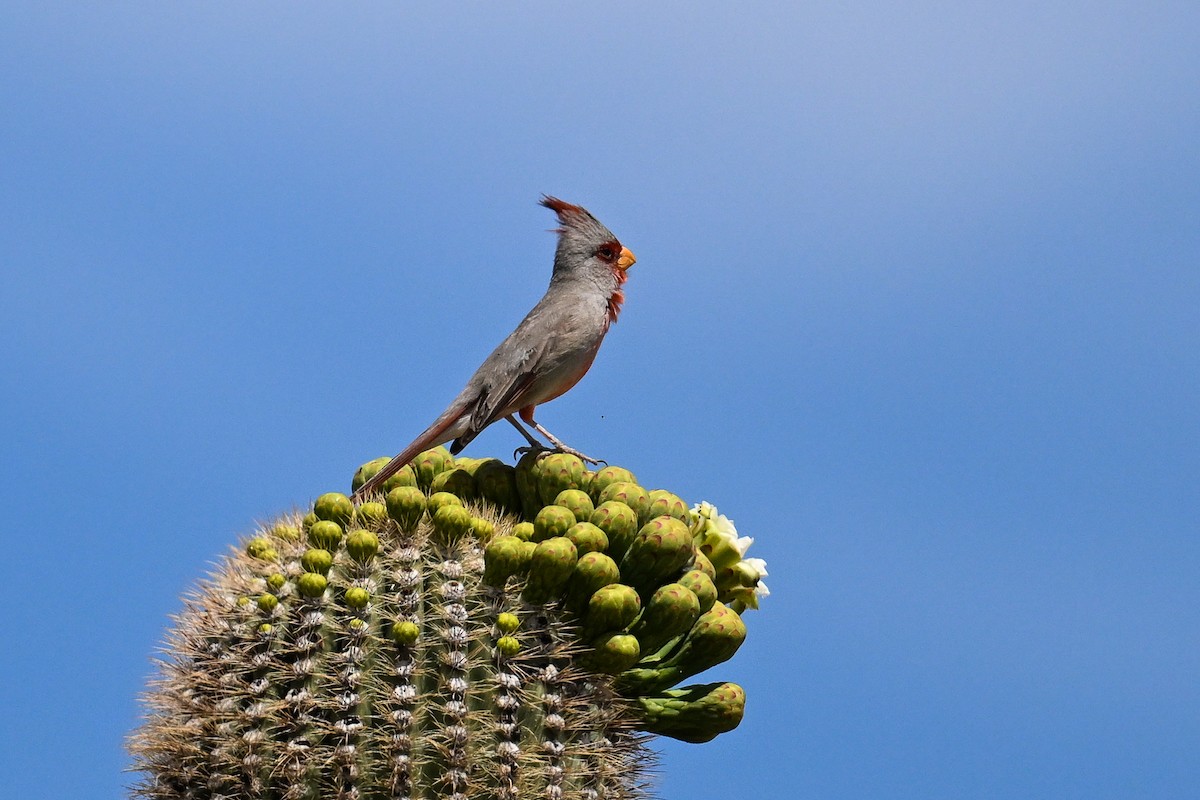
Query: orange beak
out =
(626, 259)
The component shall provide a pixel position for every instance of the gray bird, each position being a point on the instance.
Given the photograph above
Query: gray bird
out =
(550, 350)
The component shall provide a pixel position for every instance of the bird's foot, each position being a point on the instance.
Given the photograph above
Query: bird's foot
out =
(539, 448)
(571, 451)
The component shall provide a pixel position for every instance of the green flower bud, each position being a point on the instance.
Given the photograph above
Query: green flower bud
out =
(431, 463)
(525, 477)
(619, 523)
(406, 505)
(242, 602)
(614, 653)
(694, 713)
(481, 529)
(665, 504)
(714, 638)
(606, 476)
(559, 471)
(593, 571)
(704, 565)
(312, 584)
(502, 558)
(335, 507)
(259, 547)
(316, 560)
(549, 569)
(660, 552)
(611, 608)
(403, 477)
(266, 628)
(325, 534)
(357, 597)
(439, 499)
(631, 495)
(496, 482)
(362, 545)
(451, 522)
(308, 521)
(276, 581)
(455, 481)
(523, 531)
(552, 521)
(670, 612)
(405, 633)
(507, 622)
(577, 501)
(267, 602)
(371, 514)
(508, 646)
(702, 586)
(367, 471)
(289, 533)
(587, 538)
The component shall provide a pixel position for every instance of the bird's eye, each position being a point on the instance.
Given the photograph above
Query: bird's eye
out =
(606, 253)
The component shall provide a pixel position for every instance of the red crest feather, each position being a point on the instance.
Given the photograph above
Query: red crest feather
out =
(560, 207)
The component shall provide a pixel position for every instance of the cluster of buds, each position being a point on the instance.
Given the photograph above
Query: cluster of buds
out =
(476, 629)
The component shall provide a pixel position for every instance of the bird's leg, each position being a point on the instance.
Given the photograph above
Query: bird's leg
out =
(534, 444)
(558, 445)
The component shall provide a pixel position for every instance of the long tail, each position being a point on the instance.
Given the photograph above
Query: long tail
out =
(434, 435)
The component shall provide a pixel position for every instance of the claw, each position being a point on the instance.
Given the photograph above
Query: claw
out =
(520, 451)
(571, 451)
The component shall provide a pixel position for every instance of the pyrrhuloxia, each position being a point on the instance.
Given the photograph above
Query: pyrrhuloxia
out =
(550, 350)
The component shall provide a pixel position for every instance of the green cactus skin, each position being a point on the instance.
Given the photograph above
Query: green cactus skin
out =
(695, 713)
(578, 501)
(425, 647)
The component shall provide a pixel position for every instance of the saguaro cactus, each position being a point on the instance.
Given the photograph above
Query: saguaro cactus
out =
(478, 630)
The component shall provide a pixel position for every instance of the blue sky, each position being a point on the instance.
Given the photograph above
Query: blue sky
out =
(916, 305)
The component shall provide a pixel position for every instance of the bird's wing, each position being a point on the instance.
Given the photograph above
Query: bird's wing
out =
(503, 392)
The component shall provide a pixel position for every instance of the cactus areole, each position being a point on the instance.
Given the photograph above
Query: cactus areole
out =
(450, 637)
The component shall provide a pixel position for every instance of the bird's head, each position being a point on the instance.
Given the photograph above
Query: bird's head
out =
(585, 246)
